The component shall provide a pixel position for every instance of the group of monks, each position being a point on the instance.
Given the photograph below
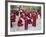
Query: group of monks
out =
(29, 17)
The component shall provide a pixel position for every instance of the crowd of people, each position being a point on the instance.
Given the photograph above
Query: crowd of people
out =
(25, 17)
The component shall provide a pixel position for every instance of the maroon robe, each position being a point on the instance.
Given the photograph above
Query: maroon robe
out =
(29, 18)
(34, 17)
(20, 23)
(12, 16)
(26, 21)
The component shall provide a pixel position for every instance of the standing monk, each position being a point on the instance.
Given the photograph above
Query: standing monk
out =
(26, 20)
(12, 17)
(34, 17)
(20, 18)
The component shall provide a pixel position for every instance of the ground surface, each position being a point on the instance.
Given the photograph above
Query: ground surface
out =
(30, 27)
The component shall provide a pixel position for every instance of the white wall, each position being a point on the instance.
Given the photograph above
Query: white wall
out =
(2, 18)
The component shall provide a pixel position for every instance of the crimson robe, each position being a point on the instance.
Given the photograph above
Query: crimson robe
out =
(34, 17)
(20, 23)
(12, 16)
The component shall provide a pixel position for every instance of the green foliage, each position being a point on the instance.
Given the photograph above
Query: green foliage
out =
(26, 7)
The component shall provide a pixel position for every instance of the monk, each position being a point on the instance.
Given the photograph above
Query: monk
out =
(12, 17)
(34, 18)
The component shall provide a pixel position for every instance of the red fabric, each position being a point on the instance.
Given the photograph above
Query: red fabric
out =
(13, 17)
(34, 17)
(25, 19)
(20, 23)
(26, 22)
